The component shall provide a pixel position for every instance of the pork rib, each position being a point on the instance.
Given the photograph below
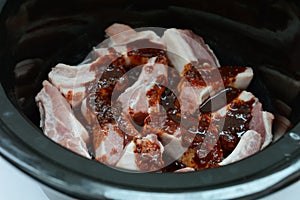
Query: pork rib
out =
(71, 81)
(108, 139)
(215, 134)
(121, 34)
(143, 97)
(186, 169)
(200, 84)
(259, 135)
(142, 154)
(262, 123)
(189, 128)
(169, 132)
(185, 47)
(108, 143)
(249, 144)
(58, 120)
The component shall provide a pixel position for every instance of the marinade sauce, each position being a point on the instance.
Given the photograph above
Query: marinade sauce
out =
(207, 143)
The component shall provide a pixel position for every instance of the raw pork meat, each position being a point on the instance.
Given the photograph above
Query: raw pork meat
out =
(58, 121)
(149, 103)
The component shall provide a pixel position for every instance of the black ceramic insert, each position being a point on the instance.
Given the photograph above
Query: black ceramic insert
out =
(36, 35)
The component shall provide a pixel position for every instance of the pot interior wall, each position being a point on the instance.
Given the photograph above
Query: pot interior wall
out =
(39, 35)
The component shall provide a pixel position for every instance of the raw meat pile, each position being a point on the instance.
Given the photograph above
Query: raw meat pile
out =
(149, 103)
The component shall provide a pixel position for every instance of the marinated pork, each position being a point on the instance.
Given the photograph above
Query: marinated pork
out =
(142, 154)
(58, 121)
(142, 98)
(199, 84)
(148, 103)
(185, 47)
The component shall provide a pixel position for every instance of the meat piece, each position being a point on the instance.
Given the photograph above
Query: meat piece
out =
(127, 160)
(58, 120)
(194, 116)
(192, 97)
(186, 169)
(173, 145)
(121, 34)
(200, 148)
(199, 85)
(108, 139)
(126, 124)
(143, 96)
(169, 133)
(261, 122)
(117, 28)
(143, 154)
(233, 120)
(249, 144)
(268, 121)
(184, 47)
(218, 132)
(179, 145)
(71, 81)
(97, 107)
(241, 80)
(101, 98)
(118, 51)
(108, 143)
(141, 45)
(203, 152)
(243, 98)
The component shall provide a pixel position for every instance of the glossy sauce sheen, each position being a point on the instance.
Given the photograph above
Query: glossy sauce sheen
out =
(211, 76)
(145, 151)
(206, 145)
(236, 124)
(105, 87)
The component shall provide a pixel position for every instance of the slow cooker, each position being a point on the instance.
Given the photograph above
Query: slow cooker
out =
(36, 35)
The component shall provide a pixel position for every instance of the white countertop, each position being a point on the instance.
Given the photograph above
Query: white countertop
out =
(15, 185)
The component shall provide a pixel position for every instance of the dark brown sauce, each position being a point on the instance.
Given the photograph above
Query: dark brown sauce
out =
(114, 67)
(219, 100)
(127, 139)
(105, 87)
(145, 151)
(211, 76)
(193, 76)
(103, 62)
(213, 140)
(154, 94)
(145, 48)
(236, 124)
(229, 73)
(168, 99)
(207, 141)
(173, 166)
(171, 105)
(204, 151)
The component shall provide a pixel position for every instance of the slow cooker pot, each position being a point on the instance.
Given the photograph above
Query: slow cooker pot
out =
(36, 35)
